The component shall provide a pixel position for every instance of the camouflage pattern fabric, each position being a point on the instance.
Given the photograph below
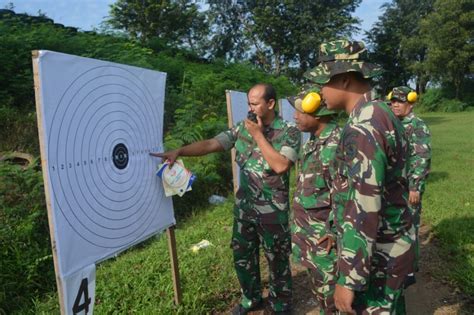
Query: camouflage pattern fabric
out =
(261, 212)
(276, 243)
(419, 162)
(311, 208)
(342, 56)
(263, 194)
(380, 298)
(375, 226)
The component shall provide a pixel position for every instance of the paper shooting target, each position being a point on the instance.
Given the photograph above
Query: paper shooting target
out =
(98, 123)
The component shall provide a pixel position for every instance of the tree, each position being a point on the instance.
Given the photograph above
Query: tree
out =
(397, 43)
(282, 35)
(177, 23)
(449, 34)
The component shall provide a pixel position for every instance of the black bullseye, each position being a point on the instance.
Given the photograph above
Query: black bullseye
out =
(120, 156)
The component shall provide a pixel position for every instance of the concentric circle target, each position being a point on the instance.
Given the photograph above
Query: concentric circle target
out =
(103, 129)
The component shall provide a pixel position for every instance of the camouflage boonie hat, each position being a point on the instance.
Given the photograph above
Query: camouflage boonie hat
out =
(341, 56)
(399, 93)
(297, 100)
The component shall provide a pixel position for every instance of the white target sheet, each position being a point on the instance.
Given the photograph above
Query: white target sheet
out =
(99, 122)
(239, 107)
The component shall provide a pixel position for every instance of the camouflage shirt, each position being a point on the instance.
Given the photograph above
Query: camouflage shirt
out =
(419, 161)
(263, 194)
(315, 174)
(374, 224)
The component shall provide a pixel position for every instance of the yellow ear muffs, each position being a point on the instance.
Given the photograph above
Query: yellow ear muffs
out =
(389, 96)
(311, 102)
(412, 97)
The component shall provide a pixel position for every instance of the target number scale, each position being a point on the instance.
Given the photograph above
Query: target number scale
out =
(98, 121)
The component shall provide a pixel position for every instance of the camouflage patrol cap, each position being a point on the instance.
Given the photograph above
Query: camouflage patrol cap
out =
(401, 93)
(297, 100)
(341, 56)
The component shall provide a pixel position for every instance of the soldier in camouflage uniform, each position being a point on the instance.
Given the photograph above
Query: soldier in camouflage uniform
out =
(312, 200)
(265, 152)
(419, 160)
(374, 225)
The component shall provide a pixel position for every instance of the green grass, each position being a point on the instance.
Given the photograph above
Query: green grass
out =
(139, 281)
(448, 203)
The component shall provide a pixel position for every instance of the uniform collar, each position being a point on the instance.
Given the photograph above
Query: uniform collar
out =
(314, 140)
(275, 124)
(364, 99)
(408, 118)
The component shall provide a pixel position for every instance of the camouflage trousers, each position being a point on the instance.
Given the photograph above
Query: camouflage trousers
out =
(416, 210)
(381, 297)
(321, 266)
(275, 239)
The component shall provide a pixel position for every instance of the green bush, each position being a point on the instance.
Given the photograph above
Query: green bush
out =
(26, 262)
(19, 130)
(430, 100)
(440, 100)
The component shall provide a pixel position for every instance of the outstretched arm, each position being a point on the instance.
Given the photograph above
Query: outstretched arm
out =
(194, 149)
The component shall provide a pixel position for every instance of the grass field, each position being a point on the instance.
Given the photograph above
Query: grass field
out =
(139, 281)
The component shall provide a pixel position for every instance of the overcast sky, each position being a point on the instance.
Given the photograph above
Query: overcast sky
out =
(87, 14)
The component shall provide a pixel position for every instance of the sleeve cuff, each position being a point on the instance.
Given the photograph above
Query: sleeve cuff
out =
(289, 153)
(224, 141)
(352, 286)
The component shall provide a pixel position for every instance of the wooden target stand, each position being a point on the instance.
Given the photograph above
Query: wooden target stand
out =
(170, 231)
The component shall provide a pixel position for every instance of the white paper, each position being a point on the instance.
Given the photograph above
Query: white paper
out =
(240, 107)
(95, 116)
(79, 291)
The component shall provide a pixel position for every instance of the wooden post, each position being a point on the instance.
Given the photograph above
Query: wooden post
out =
(174, 265)
(44, 166)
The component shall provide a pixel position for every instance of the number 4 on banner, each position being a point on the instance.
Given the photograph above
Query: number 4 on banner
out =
(80, 291)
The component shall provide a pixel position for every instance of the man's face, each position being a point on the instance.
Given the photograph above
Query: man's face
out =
(400, 109)
(333, 93)
(305, 122)
(258, 104)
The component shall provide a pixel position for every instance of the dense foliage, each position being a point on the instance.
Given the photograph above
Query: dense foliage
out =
(428, 43)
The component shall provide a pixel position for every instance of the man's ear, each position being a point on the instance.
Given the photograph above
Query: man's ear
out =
(346, 82)
(271, 104)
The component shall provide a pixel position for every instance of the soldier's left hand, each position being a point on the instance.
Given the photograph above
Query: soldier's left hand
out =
(343, 298)
(254, 129)
(414, 197)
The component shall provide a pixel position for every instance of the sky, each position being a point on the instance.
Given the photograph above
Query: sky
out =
(87, 14)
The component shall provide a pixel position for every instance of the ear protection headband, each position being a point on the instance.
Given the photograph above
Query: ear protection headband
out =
(311, 102)
(412, 97)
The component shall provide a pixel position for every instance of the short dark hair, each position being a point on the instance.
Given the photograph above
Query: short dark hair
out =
(269, 93)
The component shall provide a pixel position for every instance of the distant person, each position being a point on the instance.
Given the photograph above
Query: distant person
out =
(312, 245)
(375, 233)
(265, 152)
(402, 100)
